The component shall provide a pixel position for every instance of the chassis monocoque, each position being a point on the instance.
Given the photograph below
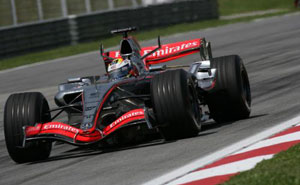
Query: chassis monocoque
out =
(160, 99)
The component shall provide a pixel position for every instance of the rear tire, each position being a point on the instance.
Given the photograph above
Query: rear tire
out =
(25, 109)
(230, 99)
(175, 104)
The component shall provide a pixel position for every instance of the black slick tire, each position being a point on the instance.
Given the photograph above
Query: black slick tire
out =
(175, 104)
(25, 109)
(230, 99)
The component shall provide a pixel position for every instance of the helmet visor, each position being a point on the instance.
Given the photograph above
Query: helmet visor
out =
(119, 73)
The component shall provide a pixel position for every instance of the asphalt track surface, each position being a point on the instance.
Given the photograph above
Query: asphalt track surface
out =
(271, 52)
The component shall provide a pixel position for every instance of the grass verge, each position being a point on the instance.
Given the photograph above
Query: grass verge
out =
(283, 169)
(228, 7)
(144, 35)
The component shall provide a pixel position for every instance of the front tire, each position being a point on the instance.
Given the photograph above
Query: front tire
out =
(25, 109)
(230, 99)
(175, 104)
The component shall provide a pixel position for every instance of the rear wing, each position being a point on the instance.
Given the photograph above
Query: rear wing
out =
(172, 51)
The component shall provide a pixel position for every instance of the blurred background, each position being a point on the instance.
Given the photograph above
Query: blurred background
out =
(13, 12)
(30, 26)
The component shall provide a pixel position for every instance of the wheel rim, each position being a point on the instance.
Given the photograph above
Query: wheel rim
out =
(246, 92)
(194, 109)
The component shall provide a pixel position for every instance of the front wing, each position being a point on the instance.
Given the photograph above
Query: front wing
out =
(76, 136)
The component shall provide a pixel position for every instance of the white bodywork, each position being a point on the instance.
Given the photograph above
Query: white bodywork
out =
(204, 73)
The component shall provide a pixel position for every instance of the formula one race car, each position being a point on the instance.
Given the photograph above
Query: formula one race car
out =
(135, 97)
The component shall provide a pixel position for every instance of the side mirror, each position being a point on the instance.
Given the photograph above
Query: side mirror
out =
(153, 51)
(101, 49)
(102, 53)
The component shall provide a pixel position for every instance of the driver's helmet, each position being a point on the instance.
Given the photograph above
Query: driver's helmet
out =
(119, 68)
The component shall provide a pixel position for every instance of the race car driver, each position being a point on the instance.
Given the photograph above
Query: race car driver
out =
(121, 68)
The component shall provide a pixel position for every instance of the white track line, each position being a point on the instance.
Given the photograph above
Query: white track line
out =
(272, 141)
(210, 158)
(225, 169)
(239, 165)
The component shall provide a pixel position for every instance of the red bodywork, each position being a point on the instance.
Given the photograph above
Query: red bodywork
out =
(167, 52)
(74, 135)
(82, 136)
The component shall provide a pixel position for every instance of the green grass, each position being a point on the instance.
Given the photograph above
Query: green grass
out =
(283, 169)
(76, 7)
(5, 14)
(26, 11)
(92, 46)
(99, 5)
(228, 7)
(123, 3)
(51, 9)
